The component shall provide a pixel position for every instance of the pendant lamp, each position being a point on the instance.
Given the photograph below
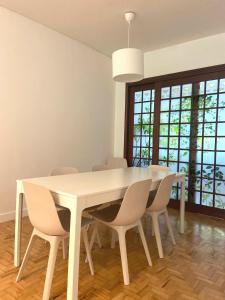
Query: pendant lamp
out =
(128, 63)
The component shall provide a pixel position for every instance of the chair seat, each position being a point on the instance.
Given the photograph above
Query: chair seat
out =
(64, 216)
(107, 214)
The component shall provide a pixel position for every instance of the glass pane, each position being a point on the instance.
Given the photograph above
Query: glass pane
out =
(136, 141)
(173, 166)
(220, 158)
(186, 103)
(146, 95)
(174, 117)
(146, 129)
(207, 185)
(209, 143)
(221, 144)
(184, 155)
(174, 130)
(211, 86)
(222, 85)
(199, 130)
(136, 152)
(175, 91)
(164, 117)
(199, 143)
(185, 129)
(209, 129)
(221, 129)
(199, 156)
(184, 167)
(187, 90)
(201, 102)
(162, 154)
(185, 117)
(165, 93)
(173, 155)
(221, 114)
(175, 104)
(211, 101)
(197, 197)
(145, 141)
(145, 119)
(163, 129)
(184, 143)
(173, 142)
(153, 95)
(207, 199)
(220, 201)
(222, 100)
(137, 96)
(202, 88)
(137, 108)
(137, 119)
(137, 129)
(144, 152)
(210, 115)
(220, 172)
(163, 142)
(146, 107)
(208, 157)
(165, 105)
(220, 187)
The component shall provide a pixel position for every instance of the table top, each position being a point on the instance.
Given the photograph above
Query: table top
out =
(90, 183)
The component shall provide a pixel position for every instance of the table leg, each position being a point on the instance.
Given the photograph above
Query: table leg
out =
(74, 252)
(182, 205)
(18, 224)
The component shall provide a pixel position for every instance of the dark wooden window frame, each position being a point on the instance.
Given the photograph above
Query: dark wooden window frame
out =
(157, 83)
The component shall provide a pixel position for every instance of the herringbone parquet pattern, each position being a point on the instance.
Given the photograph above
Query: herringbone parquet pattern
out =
(193, 270)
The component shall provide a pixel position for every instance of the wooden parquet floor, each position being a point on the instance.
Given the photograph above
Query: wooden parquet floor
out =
(192, 270)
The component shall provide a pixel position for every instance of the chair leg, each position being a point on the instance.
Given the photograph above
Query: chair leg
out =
(113, 239)
(123, 253)
(143, 239)
(64, 248)
(88, 250)
(98, 237)
(170, 227)
(94, 236)
(54, 245)
(26, 256)
(155, 223)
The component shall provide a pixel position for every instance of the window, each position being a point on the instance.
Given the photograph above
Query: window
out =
(178, 120)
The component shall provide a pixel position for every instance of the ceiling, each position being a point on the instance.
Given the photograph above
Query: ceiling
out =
(100, 23)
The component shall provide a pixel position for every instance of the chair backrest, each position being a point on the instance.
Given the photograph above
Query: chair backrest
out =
(63, 171)
(158, 168)
(134, 203)
(116, 163)
(100, 168)
(41, 209)
(162, 196)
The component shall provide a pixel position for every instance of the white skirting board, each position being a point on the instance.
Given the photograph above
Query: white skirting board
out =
(9, 216)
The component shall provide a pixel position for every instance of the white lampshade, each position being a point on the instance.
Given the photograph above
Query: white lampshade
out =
(128, 65)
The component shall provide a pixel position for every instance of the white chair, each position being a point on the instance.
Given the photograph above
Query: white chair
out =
(116, 163)
(95, 233)
(126, 216)
(50, 225)
(112, 163)
(63, 171)
(158, 168)
(158, 207)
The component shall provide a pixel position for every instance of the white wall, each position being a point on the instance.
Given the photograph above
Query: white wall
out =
(187, 56)
(56, 104)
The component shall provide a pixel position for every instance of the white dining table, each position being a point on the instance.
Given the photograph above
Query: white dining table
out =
(82, 190)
